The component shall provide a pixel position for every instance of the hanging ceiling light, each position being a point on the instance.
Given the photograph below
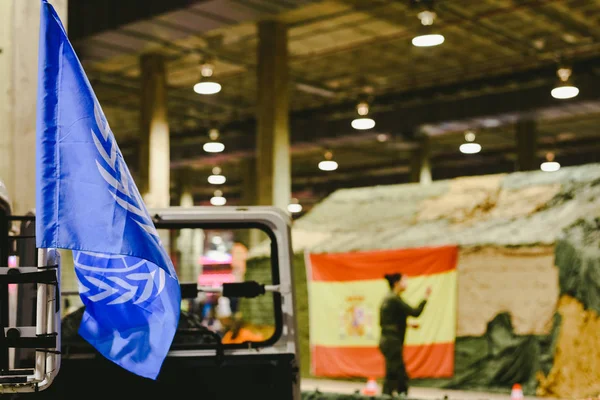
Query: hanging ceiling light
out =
(382, 137)
(565, 88)
(428, 39)
(294, 207)
(328, 164)
(218, 199)
(470, 147)
(207, 85)
(216, 178)
(550, 165)
(363, 122)
(214, 146)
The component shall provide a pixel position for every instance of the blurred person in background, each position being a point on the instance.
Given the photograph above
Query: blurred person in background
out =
(211, 321)
(393, 315)
(239, 254)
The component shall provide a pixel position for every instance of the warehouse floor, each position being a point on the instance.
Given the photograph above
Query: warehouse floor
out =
(346, 387)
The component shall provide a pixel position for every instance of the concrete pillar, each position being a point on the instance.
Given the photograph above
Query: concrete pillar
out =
(273, 136)
(154, 167)
(19, 43)
(420, 165)
(19, 38)
(249, 237)
(249, 182)
(526, 141)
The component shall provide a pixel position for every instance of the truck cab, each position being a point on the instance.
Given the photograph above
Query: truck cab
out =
(235, 339)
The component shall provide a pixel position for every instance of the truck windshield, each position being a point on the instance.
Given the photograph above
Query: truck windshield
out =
(208, 258)
(211, 258)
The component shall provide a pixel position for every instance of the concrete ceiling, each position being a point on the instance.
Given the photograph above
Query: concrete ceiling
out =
(497, 65)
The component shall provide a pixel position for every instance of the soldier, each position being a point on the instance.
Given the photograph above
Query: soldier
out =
(393, 314)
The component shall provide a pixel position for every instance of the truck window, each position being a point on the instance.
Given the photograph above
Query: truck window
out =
(209, 258)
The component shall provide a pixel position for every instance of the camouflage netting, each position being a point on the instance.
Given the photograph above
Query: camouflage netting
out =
(576, 370)
(512, 229)
(578, 259)
(521, 209)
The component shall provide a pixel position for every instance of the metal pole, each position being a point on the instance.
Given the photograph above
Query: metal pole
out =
(41, 321)
(4, 320)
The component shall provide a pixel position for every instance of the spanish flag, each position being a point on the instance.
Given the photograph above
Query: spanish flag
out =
(345, 292)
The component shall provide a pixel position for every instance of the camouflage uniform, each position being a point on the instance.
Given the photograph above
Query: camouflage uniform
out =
(392, 319)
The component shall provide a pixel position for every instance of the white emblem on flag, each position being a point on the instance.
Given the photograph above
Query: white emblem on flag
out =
(120, 283)
(125, 280)
(116, 175)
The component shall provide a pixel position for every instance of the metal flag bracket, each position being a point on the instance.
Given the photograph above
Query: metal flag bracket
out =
(29, 355)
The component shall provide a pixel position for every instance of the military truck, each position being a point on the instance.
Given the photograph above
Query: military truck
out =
(42, 355)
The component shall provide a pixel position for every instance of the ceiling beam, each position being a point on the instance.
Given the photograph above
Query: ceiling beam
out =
(405, 34)
(222, 54)
(484, 28)
(90, 17)
(403, 114)
(569, 19)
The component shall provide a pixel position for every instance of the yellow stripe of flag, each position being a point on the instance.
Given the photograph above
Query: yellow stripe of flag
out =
(346, 314)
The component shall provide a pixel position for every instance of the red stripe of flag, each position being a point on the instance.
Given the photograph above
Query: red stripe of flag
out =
(422, 361)
(340, 267)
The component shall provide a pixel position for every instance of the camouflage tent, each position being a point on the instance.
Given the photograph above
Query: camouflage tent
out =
(528, 270)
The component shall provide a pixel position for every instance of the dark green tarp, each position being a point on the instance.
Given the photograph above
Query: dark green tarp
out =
(578, 260)
(499, 359)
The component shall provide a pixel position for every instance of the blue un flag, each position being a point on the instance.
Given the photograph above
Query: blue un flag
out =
(87, 201)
